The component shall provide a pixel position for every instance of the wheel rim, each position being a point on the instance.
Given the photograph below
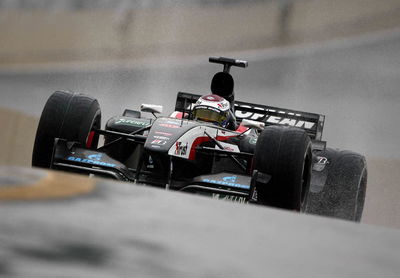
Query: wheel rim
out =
(93, 138)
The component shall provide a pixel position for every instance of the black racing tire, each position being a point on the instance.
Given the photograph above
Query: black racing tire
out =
(68, 116)
(285, 154)
(343, 195)
(362, 191)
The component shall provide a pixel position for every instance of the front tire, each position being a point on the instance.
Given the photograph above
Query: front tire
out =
(68, 116)
(284, 153)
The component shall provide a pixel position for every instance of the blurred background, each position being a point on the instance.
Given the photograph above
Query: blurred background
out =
(340, 58)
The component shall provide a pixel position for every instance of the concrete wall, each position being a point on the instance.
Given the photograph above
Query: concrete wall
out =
(327, 18)
(39, 36)
(87, 35)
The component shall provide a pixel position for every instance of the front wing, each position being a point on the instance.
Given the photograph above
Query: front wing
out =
(72, 157)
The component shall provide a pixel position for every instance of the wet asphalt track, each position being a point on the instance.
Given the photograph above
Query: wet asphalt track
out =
(355, 86)
(110, 229)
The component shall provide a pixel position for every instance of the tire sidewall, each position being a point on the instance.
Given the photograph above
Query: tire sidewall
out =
(68, 116)
(343, 194)
(284, 153)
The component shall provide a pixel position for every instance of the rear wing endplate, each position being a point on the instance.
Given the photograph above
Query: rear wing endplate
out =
(312, 123)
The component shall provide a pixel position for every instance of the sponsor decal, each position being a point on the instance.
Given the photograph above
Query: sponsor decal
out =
(163, 133)
(213, 98)
(97, 156)
(320, 164)
(235, 199)
(291, 122)
(223, 105)
(162, 138)
(322, 160)
(208, 108)
(150, 162)
(228, 147)
(94, 159)
(179, 115)
(169, 125)
(159, 142)
(274, 119)
(229, 181)
(180, 148)
(173, 122)
(131, 122)
(253, 140)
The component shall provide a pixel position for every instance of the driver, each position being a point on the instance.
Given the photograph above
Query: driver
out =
(214, 109)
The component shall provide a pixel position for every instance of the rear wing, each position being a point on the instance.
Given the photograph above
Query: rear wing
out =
(312, 123)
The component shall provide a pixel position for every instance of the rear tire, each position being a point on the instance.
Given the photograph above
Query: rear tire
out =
(68, 116)
(285, 154)
(343, 195)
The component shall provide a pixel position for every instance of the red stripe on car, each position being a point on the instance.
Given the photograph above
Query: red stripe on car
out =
(200, 140)
(89, 140)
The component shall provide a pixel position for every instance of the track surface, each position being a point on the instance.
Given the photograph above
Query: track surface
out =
(354, 83)
(355, 86)
(109, 229)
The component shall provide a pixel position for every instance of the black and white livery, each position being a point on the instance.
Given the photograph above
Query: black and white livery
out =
(210, 145)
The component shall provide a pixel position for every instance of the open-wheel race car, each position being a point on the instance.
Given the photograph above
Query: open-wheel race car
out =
(210, 145)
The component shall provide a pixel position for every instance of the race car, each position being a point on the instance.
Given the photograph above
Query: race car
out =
(210, 145)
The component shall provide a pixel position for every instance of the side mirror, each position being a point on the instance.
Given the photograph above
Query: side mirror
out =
(252, 124)
(151, 108)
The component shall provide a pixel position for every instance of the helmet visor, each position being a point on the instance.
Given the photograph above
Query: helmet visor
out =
(209, 115)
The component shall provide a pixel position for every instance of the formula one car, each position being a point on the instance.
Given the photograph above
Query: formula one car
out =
(261, 154)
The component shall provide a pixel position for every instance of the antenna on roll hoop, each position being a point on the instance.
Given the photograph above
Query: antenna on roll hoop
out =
(222, 83)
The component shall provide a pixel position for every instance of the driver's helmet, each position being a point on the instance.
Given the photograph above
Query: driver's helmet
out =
(212, 108)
